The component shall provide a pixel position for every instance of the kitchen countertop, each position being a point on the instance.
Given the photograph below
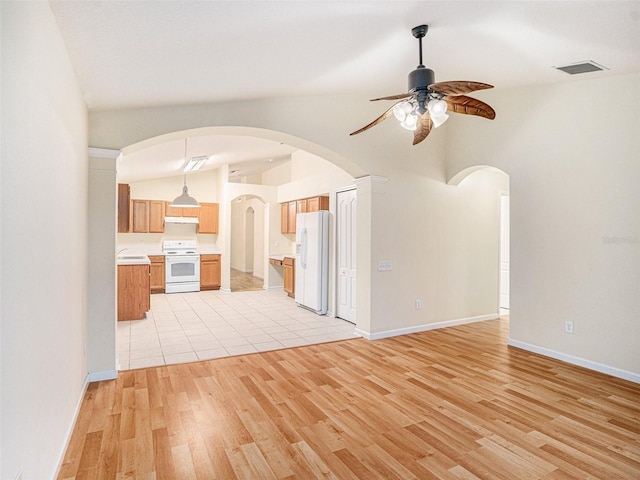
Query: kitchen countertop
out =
(133, 260)
(281, 257)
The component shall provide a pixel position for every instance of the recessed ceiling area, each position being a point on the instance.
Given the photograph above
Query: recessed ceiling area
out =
(245, 156)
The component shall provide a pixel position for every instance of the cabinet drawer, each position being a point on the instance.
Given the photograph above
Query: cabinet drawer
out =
(209, 257)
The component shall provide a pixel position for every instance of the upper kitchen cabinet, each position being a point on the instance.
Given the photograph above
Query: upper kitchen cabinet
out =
(207, 218)
(284, 218)
(124, 197)
(180, 211)
(289, 210)
(315, 204)
(147, 216)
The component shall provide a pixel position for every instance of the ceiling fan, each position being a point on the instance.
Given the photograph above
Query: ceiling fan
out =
(425, 105)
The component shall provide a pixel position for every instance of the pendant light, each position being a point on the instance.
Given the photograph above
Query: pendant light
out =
(185, 200)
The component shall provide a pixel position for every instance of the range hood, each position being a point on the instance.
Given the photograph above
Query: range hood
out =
(191, 220)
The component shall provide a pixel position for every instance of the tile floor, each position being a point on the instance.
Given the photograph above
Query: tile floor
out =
(185, 327)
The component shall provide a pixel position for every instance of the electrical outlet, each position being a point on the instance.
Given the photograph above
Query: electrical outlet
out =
(384, 265)
(418, 304)
(568, 327)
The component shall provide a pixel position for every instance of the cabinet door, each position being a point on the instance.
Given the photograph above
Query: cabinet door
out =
(208, 218)
(140, 216)
(123, 207)
(301, 206)
(157, 273)
(209, 272)
(172, 211)
(133, 291)
(191, 212)
(291, 217)
(316, 204)
(284, 217)
(156, 216)
(288, 271)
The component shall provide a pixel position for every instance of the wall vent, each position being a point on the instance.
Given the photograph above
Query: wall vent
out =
(582, 67)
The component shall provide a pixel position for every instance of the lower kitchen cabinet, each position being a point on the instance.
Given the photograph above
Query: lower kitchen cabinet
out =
(157, 273)
(288, 272)
(134, 294)
(210, 272)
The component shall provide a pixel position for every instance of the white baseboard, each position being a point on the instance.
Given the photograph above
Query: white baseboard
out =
(276, 287)
(103, 375)
(581, 362)
(225, 290)
(423, 328)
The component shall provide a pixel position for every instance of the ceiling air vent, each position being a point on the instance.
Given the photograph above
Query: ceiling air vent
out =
(582, 67)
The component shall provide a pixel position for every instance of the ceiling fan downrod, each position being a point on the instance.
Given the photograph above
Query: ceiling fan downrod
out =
(421, 77)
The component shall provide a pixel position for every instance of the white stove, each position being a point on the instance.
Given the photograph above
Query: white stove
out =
(182, 266)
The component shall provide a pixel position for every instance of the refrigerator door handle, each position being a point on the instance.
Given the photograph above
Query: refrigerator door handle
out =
(303, 252)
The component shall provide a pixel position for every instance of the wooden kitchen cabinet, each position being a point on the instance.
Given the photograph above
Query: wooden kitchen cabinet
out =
(157, 273)
(156, 216)
(134, 294)
(208, 218)
(172, 211)
(291, 217)
(147, 216)
(124, 197)
(289, 210)
(210, 272)
(288, 272)
(284, 217)
(301, 206)
(315, 204)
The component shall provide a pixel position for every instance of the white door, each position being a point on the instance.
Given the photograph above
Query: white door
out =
(346, 255)
(504, 253)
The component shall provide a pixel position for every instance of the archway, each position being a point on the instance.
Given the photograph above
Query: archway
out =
(247, 246)
(496, 183)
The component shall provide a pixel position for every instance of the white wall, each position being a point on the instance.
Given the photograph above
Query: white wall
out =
(311, 175)
(424, 226)
(102, 297)
(572, 156)
(44, 253)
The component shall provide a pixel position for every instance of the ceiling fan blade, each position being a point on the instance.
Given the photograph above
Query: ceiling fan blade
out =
(386, 114)
(470, 106)
(458, 87)
(423, 128)
(393, 97)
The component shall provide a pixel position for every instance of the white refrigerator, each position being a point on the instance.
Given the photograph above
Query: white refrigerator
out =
(312, 261)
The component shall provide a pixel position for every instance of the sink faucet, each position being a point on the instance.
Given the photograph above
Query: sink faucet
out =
(120, 251)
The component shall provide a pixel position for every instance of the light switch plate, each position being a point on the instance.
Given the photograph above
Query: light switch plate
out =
(384, 265)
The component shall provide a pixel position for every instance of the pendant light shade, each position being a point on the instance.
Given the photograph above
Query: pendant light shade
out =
(185, 200)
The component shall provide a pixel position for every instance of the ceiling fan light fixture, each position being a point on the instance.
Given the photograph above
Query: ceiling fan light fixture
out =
(401, 110)
(439, 119)
(437, 107)
(410, 122)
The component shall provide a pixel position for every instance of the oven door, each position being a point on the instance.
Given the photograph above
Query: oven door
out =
(182, 271)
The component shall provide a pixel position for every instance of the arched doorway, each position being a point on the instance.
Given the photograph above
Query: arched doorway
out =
(495, 183)
(247, 244)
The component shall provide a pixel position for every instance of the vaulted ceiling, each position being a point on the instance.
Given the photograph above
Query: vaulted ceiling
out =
(131, 54)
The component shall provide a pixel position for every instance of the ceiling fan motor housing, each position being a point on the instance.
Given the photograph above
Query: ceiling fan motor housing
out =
(421, 78)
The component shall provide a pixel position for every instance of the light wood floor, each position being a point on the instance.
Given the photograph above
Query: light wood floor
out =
(450, 403)
(244, 282)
